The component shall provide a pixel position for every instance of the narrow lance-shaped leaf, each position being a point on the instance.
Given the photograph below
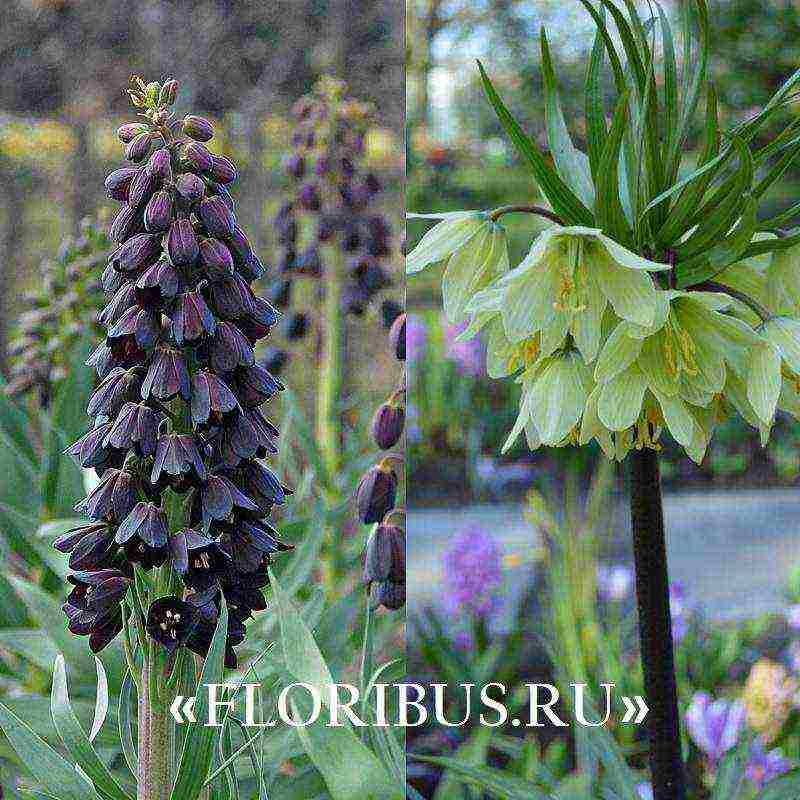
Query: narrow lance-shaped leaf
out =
(56, 775)
(495, 782)
(596, 130)
(692, 190)
(571, 164)
(693, 86)
(75, 739)
(611, 215)
(561, 197)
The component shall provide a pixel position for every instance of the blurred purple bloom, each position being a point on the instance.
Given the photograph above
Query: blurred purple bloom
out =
(765, 766)
(681, 611)
(416, 337)
(464, 641)
(614, 583)
(644, 790)
(793, 617)
(413, 429)
(472, 573)
(469, 356)
(793, 656)
(715, 726)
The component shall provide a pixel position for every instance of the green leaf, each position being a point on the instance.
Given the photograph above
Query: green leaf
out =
(15, 428)
(561, 197)
(731, 772)
(670, 77)
(301, 654)
(716, 217)
(328, 748)
(571, 164)
(57, 776)
(694, 81)
(601, 745)
(501, 785)
(75, 739)
(198, 747)
(714, 165)
(748, 130)
(778, 170)
(678, 220)
(596, 130)
(62, 481)
(125, 726)
(610, 214)
(732, 248)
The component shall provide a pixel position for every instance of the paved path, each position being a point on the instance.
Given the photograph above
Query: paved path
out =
(733, 550)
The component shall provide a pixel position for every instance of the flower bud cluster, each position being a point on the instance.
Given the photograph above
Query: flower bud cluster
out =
(334, 206)
(177, 433)
(376, 495)
(60, 310)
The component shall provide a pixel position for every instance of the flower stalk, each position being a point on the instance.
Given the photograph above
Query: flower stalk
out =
(655, 626)
(523, 208)
(330, 383)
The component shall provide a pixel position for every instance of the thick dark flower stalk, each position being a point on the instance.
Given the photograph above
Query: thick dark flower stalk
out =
(655, 626)
(331, 230)
(61, 309)
(376, 496)
(178, 516)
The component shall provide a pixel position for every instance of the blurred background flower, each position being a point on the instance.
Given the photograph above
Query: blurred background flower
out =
(471, 571)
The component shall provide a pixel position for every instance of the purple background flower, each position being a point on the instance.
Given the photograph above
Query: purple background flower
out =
(469, 356)
(472, 573)
(416, 337)
(764, 766)
(715, 726)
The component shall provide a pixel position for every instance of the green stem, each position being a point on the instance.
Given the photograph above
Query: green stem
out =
(143, 776)
(155, 725)
(330, 384)
(754, 305)
(366, 660)
(329, 424)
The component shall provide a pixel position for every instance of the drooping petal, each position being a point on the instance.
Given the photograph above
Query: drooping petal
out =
(618, 353)
(444, 239)
(653, 363)
(764, 380)
(471, 268)
(679, 421)
(587, 325)
(592, 428)
(528, 297)
(630, 292)
(784, 333)
(625, 258)
(523, 418)
(620, 401)
(557, 397)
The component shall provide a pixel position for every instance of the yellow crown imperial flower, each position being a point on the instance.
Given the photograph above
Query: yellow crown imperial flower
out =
(565, 283)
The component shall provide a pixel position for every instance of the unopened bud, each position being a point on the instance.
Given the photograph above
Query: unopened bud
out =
(198, 128)
(387, 425)
(169, 91)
